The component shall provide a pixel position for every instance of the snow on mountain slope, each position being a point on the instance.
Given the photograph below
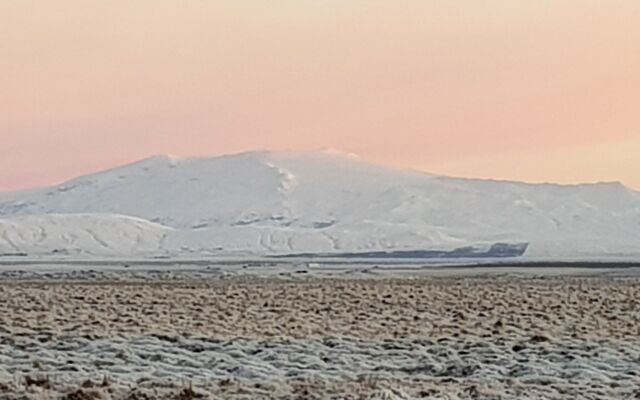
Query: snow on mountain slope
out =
(230, 190)
(296, 202)
(80, 235)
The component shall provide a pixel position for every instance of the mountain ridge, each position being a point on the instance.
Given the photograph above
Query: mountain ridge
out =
(170, 160)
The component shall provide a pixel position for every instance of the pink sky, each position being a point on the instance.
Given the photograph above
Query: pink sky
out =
(544, 90)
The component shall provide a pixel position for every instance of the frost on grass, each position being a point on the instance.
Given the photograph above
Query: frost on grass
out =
(452, 338)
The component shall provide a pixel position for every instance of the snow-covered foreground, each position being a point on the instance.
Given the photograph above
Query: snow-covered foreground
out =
(267, 203)
(247, 337)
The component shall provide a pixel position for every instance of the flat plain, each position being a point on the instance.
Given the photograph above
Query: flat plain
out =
(149, 335)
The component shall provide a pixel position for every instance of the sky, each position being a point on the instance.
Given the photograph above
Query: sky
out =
(535, 90)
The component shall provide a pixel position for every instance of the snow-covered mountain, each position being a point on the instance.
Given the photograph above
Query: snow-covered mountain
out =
(266, 203)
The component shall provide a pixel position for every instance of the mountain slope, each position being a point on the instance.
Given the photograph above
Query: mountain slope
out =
(80, 235)
(285, 202)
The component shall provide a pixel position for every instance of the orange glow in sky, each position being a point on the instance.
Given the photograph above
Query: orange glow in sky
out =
(544, 90)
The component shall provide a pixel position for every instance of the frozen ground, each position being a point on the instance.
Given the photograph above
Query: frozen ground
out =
(569, 368)
(292, 333)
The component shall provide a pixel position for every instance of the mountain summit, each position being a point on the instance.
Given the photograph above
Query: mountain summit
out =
(279, 203)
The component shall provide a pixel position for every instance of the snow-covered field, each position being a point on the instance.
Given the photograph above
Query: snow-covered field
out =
(266, 203)
(242, 333)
